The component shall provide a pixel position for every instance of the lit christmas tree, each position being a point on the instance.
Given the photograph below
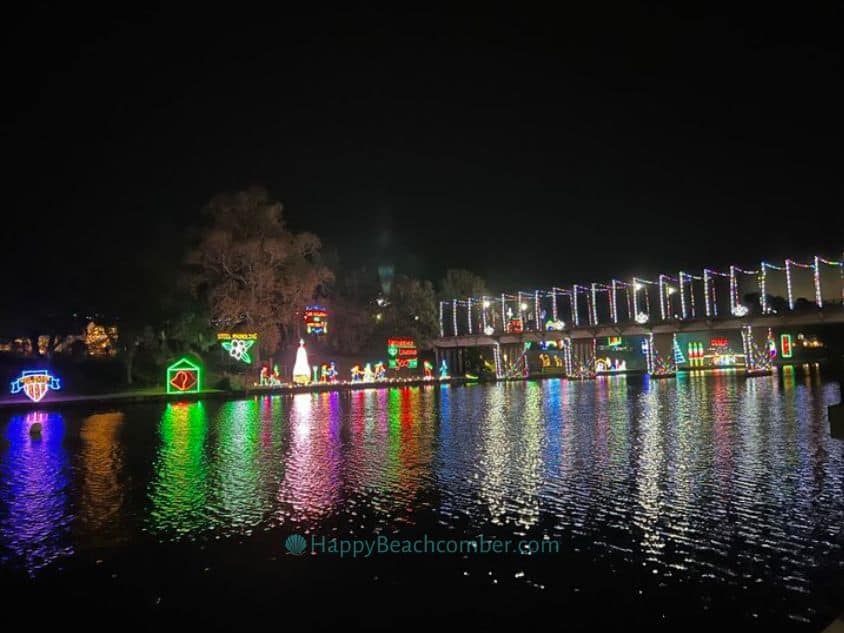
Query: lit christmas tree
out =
(301, 370)
(679, 359)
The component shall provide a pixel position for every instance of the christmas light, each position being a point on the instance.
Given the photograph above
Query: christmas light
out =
(35, 383)
(442, 330)
(641, 318)
(401, 353)
(301, 368)
(788, 284)
(786, 348)
(316, 319)
(536, 324)
(574, 315)
(680, 278)
(469, 312)
(184, 376)
(817, 279)
(593, 312)
(763, 287)
(238, 344)
(454, 316)
(613, 300)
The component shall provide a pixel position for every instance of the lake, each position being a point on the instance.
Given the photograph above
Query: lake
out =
(711, 499)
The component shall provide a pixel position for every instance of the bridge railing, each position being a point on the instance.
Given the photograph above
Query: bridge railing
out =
(682, 296)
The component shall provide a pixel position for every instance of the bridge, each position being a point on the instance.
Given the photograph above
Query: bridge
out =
(666, 317)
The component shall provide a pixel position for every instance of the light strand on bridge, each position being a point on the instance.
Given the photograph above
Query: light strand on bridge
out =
(574, 317)
(636, 287)
(763, 288)
(593, 309)
(536, 311)
(442, 328)
(682, 290)
(817, 278)
(454, 315)
(662, 297)
(469, 312)
(706, 294)
(613, 300)
(788, 284)
(503, 314)
(485, 303)
(554, 303)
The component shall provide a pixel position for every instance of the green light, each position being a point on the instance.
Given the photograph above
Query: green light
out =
(184, 376)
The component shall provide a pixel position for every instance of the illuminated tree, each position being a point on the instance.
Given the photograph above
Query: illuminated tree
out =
(254, 273)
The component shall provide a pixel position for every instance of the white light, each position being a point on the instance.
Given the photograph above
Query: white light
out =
(641, 318)
(740, 310)
(637, 286)
(671, 290)
(489, 330)
(486, 303)
(523, 306)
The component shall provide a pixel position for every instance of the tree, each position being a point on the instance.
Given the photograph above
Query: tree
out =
(253, 272)
(412, 310)
(461, 284)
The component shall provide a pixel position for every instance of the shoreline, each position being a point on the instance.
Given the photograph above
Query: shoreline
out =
(149, 395)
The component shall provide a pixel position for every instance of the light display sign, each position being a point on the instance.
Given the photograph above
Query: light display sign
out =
(719, 342)
(402, 352)
(184, 376)
(316, 319)
(238, 344)
(35, 383)
(786, 348)
(613, 341)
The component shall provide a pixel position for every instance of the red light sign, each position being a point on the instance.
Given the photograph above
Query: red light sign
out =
(719, 342)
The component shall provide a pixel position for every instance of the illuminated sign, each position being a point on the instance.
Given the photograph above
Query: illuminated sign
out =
(719, 342)
(515, 325)
(613, 341)
(238, 344)
(402, 352)
(316, 319)
(786, 348)
(35, 383)
(183, 376)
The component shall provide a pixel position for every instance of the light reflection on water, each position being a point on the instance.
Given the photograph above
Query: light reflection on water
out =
(710, 476)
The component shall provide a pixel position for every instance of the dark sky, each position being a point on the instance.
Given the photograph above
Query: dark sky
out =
(531, 147)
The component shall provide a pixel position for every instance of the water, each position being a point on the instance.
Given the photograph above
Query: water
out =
(706, 499)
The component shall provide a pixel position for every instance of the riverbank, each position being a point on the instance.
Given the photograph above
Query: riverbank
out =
(157, 394)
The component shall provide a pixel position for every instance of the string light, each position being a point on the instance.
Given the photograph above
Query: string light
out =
(613, 302)
(763, 288)
(574, 317)
(469, 311)
(733, 290)
(638, 307)
(788, 284)
(442, 329)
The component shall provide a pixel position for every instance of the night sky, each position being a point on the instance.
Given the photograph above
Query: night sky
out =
(530, 147)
